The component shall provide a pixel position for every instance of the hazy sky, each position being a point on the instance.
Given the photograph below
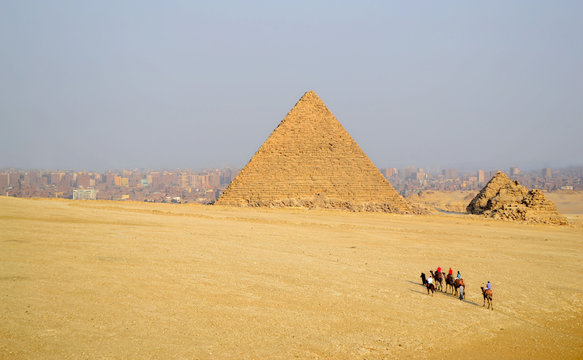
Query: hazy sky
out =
(189, 84)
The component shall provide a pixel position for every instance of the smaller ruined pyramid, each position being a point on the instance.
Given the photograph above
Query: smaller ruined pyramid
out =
(310, 160)
(503, 198)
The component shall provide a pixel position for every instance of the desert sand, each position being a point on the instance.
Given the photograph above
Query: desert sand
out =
(116, 280)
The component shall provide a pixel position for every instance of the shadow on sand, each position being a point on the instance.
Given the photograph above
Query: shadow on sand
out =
(441, 292)
(443, 211)
(419, 292)
(414, 282)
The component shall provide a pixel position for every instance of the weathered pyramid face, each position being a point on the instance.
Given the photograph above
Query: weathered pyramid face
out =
(311, 160)
(503, 198)
(480, 203)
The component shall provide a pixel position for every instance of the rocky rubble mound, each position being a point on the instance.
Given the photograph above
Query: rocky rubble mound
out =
(506, 199)
(319, 202)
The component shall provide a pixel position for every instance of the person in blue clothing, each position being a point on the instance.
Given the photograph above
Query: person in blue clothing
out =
(488, 286)
(459, 276)
(461, 289)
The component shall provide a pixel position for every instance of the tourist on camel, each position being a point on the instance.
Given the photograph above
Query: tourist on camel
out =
(439, 269)
(489, 286)
(459, 276)
(450, 272)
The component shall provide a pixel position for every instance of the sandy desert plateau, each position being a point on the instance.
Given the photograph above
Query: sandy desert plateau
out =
(127, 280)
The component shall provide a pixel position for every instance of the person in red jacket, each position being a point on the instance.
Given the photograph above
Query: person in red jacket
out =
(450, 272)
(439, 269)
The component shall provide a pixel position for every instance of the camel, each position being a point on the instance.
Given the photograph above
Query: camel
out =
(423, 279)
(487, 297)
(438, 280)
(431, 288)
(457, 283)
(449, 284)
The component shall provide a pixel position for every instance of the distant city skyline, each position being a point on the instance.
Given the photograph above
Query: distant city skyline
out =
(109, 85)
(206, 186)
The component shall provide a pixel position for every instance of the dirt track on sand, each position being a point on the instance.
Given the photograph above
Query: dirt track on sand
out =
(133, 280)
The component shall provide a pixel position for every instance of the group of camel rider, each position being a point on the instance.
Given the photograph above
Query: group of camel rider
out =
(459, 277)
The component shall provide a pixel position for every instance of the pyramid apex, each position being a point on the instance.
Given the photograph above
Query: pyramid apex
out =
(310, 93)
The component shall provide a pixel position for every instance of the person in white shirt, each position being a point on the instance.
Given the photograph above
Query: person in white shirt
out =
(430, 285)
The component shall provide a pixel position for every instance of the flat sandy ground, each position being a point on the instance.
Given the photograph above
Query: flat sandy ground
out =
(119, 280)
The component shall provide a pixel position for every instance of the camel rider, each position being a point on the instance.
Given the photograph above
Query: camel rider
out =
(429, 281)
(438, 269)
(450, 272)
(459, 276)
(489, 286)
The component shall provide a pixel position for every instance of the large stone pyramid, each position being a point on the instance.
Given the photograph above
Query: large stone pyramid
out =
(505, 199)
(310, 160)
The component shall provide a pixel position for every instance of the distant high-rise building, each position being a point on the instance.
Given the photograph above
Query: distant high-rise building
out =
(547, 173)
(450, 173)
(514, 171)
(121, 181)
(420, 175)
(56, 178)
(32, 178)
(481, 175)
(407, 172)
(109, 178)
(389, 172)
(4, 180)
(83, 180)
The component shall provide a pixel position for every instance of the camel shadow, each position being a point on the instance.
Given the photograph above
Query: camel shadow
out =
(471, 303)
(418, 292)
(415, 282)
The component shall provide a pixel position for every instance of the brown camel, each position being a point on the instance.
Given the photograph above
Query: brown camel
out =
(487, 297)
(449, 283)
(457, 283)
(430, 287)
(438, 280)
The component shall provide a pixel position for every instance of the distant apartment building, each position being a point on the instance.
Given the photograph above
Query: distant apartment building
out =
(407, 172)
(514, 171)
(547, 173)
(226, 176)
(109, 178)
(121, 181)
(4, 180)
(84, 180)
(389, 172)
(84, 194)
(481, 177)
(215, 178)
(32, 178)
(450, 173)
(420, 175)
(55, 178)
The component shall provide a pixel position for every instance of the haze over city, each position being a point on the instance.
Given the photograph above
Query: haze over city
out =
(100, 85)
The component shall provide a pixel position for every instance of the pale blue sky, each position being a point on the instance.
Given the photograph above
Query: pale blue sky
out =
(178, 84)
